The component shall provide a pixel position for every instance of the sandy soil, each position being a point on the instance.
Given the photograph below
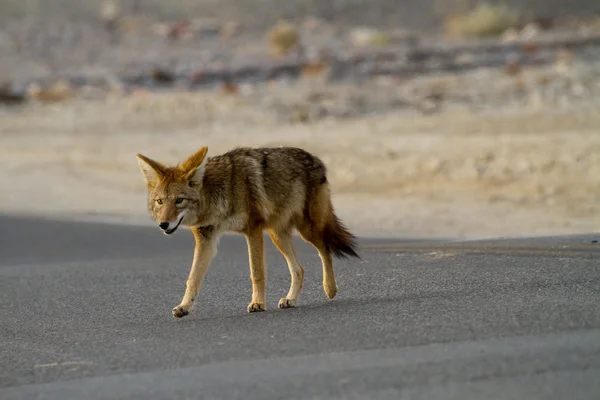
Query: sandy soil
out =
(460, 172)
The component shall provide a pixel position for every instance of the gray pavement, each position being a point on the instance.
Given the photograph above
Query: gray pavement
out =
(85, 313)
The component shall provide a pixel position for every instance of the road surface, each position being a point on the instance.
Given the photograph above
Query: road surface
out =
(85, 313)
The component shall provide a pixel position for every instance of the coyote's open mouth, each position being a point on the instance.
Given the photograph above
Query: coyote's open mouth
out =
(170, 231)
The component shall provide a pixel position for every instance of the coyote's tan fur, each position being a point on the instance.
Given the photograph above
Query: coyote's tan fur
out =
(248, 190)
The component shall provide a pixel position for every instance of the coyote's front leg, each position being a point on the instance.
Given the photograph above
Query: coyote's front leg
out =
(204, 252)
(254, 237)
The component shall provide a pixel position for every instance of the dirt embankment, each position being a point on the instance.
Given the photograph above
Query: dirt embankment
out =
(456, 173)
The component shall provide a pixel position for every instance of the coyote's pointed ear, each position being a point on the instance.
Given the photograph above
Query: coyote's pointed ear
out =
(194, 167)
(151, 170)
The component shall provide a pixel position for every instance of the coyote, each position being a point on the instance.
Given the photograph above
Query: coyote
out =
(248, 190)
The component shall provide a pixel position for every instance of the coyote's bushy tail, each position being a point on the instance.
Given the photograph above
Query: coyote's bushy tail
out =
(338, 239)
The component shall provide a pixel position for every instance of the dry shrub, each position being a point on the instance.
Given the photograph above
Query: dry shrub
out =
(314, 70)
(283, 38)
(381, 39)
(485, 20)
(59, 91)
(369, 37)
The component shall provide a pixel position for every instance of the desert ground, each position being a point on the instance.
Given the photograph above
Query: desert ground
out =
(485, 152)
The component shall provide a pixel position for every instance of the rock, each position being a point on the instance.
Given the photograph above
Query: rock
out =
(511, 35)
(578, 90)
(314, 24)
(162, 76)
(228, 87)
(110, 13)
(530, 47)
(543, 80)
(545, 23)
(9, 97)
(180, 30)
(110, 10)
(435, 166)
(392, 155)
(530, 31)
(563, 58)
(161, 29)
(369, 37)
(465, 59)
(230, 30)
(405, 38)
(247, 89)
(92, 92)
(512, 65)
(300, 114)
(206, 26)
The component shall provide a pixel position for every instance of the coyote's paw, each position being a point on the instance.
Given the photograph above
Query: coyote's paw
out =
(180, 311)
(256, 307)
(330, 288)
(287, 303)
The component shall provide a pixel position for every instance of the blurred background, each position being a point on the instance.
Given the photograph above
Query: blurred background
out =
(453, 118)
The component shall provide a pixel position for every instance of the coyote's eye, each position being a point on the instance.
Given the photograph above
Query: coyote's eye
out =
(159, 201)
(179, 200)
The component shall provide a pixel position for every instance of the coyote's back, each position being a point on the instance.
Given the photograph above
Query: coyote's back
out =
(248, 190)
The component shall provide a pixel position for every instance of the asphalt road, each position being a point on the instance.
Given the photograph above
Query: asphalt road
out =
(85, 313)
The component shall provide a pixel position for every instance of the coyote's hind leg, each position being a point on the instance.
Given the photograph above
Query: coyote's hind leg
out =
(284, 242)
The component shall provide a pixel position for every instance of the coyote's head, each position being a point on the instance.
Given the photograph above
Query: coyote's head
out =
(174, 192)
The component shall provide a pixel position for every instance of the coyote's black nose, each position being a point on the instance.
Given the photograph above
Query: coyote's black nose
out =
(164, 225)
